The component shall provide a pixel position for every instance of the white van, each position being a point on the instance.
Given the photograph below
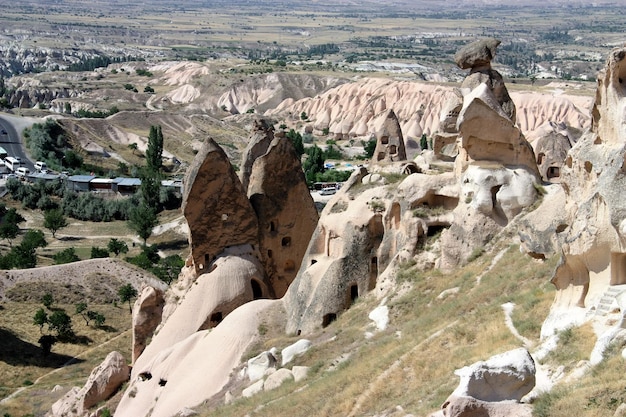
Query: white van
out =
(22, 171)
(12, 163)
(40, 166)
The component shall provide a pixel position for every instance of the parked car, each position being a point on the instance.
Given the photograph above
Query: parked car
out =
(328, 191)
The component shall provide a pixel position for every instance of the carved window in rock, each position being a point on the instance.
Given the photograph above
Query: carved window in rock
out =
(272, 226)
(257, 291)
(553, 172)
(393, 149)
(286, 241)
(381, 156)
(384, 140)
(540, 158)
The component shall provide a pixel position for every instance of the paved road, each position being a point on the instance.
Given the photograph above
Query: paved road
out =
(10, 141)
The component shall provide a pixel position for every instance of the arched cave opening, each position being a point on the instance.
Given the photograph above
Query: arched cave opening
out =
(257, 291)
(328, 318)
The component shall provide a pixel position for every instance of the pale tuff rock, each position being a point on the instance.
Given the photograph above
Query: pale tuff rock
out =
(209, 300)
(285, 210)
(147, 313)
(187, 373)
(551, 150)
(389, 139)
(253, 389)
(507, 376)
(493, 388)
(495, 166)
(609, 108)
(296, 349)
(103, 382)
(258, 365)
(276, 379)
(488, 134)
(592, 237)
(258, 143)
(215, 206)
(300, 373)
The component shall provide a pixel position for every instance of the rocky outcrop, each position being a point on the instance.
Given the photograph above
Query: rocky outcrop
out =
(258, 143)
(286, 212)
(389, 139)
(495, 166)
(592, 235)
(103, 382)
(358, 236)
(493, 388)
(187, 373)
(216, 207)
(551, 150)
(147, 313)
(488, 134)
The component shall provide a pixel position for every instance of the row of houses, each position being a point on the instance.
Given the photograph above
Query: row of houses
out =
(119, 185)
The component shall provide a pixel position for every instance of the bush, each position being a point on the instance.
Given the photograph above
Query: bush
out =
(97, 252)
(65, 256)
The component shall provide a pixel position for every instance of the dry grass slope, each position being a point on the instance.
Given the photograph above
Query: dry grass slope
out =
(410, 364)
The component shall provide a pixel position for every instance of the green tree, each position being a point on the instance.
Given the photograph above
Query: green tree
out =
(127, 293)
(117, 246)
(296, 139)
(424, 142)
(97, 252)
(133, 147)
(40, 319)
(150, 188)
(142, 220)
(154, 152)
(61, 322)
(9, 224)
(369, 147)
(54, 220)
(68, 108)
(303, 116)
(81, 308)
(47, 300)
(65, 256)
(314, 164)
(97, 318)
(72, 159)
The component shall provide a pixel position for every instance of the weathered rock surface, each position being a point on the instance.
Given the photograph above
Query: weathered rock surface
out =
(592, 231)
(488, 134)
(258, 365)
(258, 143)
(477, 54)
(389, 139)
(471, 407)
(551, 149)
(507, 376)
(278, 378)
(189, 372)
(103, 382)
(296, 349)
(286, 212)
(215, 206)
(493, 388)
(147, 313)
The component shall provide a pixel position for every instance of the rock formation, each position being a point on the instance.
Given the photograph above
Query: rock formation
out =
(216, 207)
(389, 140)
(592, 232)
(493, 388)
(286, 212)
(233, 261)
(358, 236)
(551, 149)
(147, 313)
(101, 384)
(496, 166)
